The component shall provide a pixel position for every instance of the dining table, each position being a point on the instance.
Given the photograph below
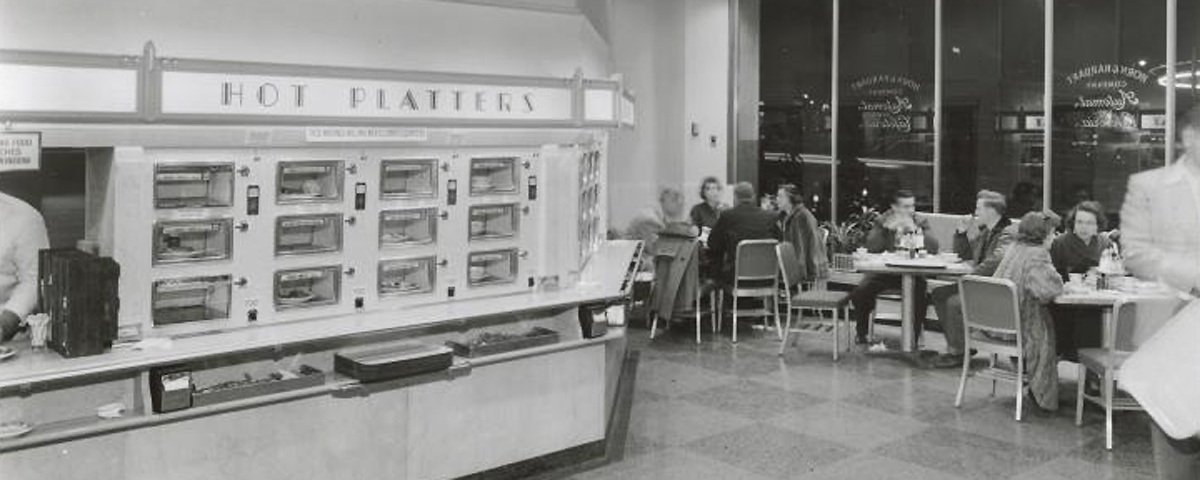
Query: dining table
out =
(909, 269)
(1110, 302)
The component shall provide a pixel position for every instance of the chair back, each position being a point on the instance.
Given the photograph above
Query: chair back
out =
(1137, 321)
(755, 260)
(989, 304)
(789, 264)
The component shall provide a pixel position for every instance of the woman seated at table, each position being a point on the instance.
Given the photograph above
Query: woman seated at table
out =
(1077, 251)
(1027, 263)
(799, 227)
(705, 214)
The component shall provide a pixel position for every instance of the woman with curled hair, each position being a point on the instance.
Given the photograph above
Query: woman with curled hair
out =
(706, 213)
(1027, 263)
(800, 228)
(1077, 251)
(1080, 248)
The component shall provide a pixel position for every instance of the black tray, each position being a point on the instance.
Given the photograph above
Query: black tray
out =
(387, 362)
(308, 377)
(536, 337)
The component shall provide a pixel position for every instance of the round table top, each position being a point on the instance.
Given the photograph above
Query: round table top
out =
(902, 265)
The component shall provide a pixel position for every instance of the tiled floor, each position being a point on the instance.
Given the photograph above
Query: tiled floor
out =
(720, 410)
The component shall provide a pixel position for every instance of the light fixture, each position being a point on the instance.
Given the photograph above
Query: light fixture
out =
(1141, 63)
(1186, 76)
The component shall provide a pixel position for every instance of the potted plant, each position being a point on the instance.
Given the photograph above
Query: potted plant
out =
(846, 237)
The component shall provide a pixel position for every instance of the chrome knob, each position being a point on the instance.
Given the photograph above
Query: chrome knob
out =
(351, 220)
(244, 171)
(353, 169)
(527, 164)
(523, 253)
(446, 165)
(444, 215)
(243, 226)
(349, 272)
(241, 282)
(525, 209)
(443, 263)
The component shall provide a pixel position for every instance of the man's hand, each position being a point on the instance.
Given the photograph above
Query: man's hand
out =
(900, 223)
(10, 324)
(965, 224)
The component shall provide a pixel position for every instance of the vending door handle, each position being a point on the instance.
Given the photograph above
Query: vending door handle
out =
(351, 220)
(243, 226)
(443, 262)
(523, 253)
(527, 164)
(525, 209)
(244, 171)
(353, 169)
(350, 272)
(444, 215)
(445, 166)
(241, 282)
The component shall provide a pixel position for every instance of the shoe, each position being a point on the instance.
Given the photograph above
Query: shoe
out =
(861, 340)
(947, 360)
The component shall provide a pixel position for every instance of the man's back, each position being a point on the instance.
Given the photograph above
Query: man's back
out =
(743, 222)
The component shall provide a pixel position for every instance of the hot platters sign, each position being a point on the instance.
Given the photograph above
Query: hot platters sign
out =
(221, 94)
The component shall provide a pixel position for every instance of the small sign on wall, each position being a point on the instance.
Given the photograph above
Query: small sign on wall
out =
(20, 151)
(364, 134)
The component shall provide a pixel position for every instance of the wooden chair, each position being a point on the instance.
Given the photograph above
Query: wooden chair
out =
(1133, 324)
(755, 275)
(990, 305)
(818, 297)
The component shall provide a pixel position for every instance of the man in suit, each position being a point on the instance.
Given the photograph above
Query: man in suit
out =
(901, 218)
(980, 240)
(1160, 225)
(745, 221)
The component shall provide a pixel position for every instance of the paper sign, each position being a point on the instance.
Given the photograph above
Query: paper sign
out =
(364, 134)
(20, 151)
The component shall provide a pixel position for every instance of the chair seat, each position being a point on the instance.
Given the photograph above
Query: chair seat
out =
(755, 292)
(1099, 359)
(818, 299)
(994, 345)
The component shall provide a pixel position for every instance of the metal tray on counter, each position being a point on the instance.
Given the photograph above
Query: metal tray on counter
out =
(536, 337)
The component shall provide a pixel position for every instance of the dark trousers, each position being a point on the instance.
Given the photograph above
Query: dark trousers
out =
(863, 298)
(948, 304)
(1076, 328)
(1175, 459)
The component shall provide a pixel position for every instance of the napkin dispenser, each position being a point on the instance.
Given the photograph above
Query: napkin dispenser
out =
(391, 361)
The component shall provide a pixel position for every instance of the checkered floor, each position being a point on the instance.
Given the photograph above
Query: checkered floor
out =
(720, 410)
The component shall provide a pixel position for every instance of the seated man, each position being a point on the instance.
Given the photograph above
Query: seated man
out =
(979, 240)
(901, 218)
(745, 221)
(667, 216)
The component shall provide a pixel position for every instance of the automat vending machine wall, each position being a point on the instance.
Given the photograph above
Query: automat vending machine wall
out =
(210, 239)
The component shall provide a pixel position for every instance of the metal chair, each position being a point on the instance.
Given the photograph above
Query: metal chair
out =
(816, 298)
(990, 305)
(755, 275)
(1133, 324)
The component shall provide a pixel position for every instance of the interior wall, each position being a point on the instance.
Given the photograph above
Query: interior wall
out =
(674, 55)
(398, 34)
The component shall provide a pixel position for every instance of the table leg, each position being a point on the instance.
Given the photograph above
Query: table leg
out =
(907, 300)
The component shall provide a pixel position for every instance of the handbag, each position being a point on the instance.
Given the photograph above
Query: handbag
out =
(1163, 375)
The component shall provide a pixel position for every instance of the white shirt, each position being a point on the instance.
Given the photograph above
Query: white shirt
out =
(22, 235)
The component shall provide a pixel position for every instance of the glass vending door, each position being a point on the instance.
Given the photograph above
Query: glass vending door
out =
(193, 241)
(406, 227)
(308, 234)
(309, 182)
(190, 299)
(308, 287)
(497, 221)
(193, 185)
(495, 176)
(492, 267)
(405, 179)
(407, 276)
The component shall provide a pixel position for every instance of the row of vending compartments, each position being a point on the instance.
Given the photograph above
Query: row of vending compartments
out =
(202, 185)
(209, 297)
(196, 241)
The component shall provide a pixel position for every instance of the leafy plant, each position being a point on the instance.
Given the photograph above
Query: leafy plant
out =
(848, 236)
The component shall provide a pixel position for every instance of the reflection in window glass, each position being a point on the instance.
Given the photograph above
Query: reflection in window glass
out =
(886, 119)
(1109, 112)
(794, 127)
(993, 62)
(1187, 56)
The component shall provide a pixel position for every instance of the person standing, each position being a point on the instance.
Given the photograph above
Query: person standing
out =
(1160, 234)
(888, 228)
(981, 241)
(799, 227)
(22, 235)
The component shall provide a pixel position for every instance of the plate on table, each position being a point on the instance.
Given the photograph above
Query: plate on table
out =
(14, 429)
(930, 263)
(7, 352)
